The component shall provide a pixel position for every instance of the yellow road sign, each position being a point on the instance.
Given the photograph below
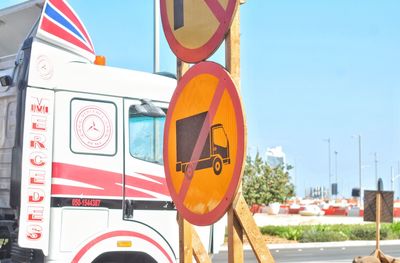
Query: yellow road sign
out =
(204, 142)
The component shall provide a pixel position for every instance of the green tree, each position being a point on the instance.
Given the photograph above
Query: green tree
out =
(263, 184)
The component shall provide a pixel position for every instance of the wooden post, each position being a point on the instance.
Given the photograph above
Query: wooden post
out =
(378, 220)
(181, 68)
(232, 61)
(252, 231)
(378, 224)
(239, 217)
(232, 49)
(189, 241)
(199, 252)
(235, 238)
(185, 228)
(185, 240)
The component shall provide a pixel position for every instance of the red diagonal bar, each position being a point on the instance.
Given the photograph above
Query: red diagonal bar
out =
(202, 139)
(217, 9)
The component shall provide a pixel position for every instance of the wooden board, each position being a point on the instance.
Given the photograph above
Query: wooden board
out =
(235, 238)
(199, 252)
(185, 241)
(252, 231)
(386, 206)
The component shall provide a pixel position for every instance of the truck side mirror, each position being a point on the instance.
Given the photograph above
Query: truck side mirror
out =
(5, 80)
(147, 108)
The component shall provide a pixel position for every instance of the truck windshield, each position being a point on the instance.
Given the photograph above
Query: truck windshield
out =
(219, 137)
(146, 138)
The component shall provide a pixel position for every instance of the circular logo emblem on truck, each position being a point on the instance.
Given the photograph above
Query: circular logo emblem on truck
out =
(93, 127)
(44, 67)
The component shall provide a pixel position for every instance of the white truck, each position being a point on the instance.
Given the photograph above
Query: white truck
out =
(81, 172)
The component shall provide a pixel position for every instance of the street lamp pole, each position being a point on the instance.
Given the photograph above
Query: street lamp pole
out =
(329, 165)
(394, 177)
(391, 177)
(336, 178)
(156, 35)
(376, 168)
(359, 165)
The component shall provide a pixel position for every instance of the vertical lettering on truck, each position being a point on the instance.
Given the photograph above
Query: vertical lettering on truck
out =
(36, 170)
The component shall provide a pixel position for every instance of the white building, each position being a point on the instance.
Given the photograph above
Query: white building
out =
(275, 156)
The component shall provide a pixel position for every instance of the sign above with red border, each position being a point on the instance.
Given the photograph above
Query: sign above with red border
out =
(194, 29)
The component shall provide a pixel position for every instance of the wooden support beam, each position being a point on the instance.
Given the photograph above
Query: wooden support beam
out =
(232, 62)
(199, 252)
(252, 231)
(378, 220)
(378, 225)
(190, 244)
(232, 49)
(235, 238)
(181, 68)
(185, 240)
(185, 228)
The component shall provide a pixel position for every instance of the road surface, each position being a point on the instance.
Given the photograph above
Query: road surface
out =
(315, 255)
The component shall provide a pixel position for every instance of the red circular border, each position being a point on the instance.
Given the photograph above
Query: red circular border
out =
(205, 51)
(215, 214)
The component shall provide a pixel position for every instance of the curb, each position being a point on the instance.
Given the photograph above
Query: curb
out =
(322, 244)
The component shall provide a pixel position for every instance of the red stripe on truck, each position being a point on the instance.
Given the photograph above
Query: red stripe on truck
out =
(49, 26)
(105, 183)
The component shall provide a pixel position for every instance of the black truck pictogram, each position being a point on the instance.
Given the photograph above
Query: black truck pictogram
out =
(215, 151)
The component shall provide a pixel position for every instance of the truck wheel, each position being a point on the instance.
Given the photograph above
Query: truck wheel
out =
(217, 166)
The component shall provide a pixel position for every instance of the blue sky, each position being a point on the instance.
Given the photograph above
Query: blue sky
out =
(311, 70)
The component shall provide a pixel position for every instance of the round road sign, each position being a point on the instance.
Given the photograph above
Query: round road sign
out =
(195, 28)
(204, 142)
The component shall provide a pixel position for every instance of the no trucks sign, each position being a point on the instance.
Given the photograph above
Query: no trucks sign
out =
(204, 142)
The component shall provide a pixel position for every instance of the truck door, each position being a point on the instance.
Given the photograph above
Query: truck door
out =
(145, 187)
(87, 167)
